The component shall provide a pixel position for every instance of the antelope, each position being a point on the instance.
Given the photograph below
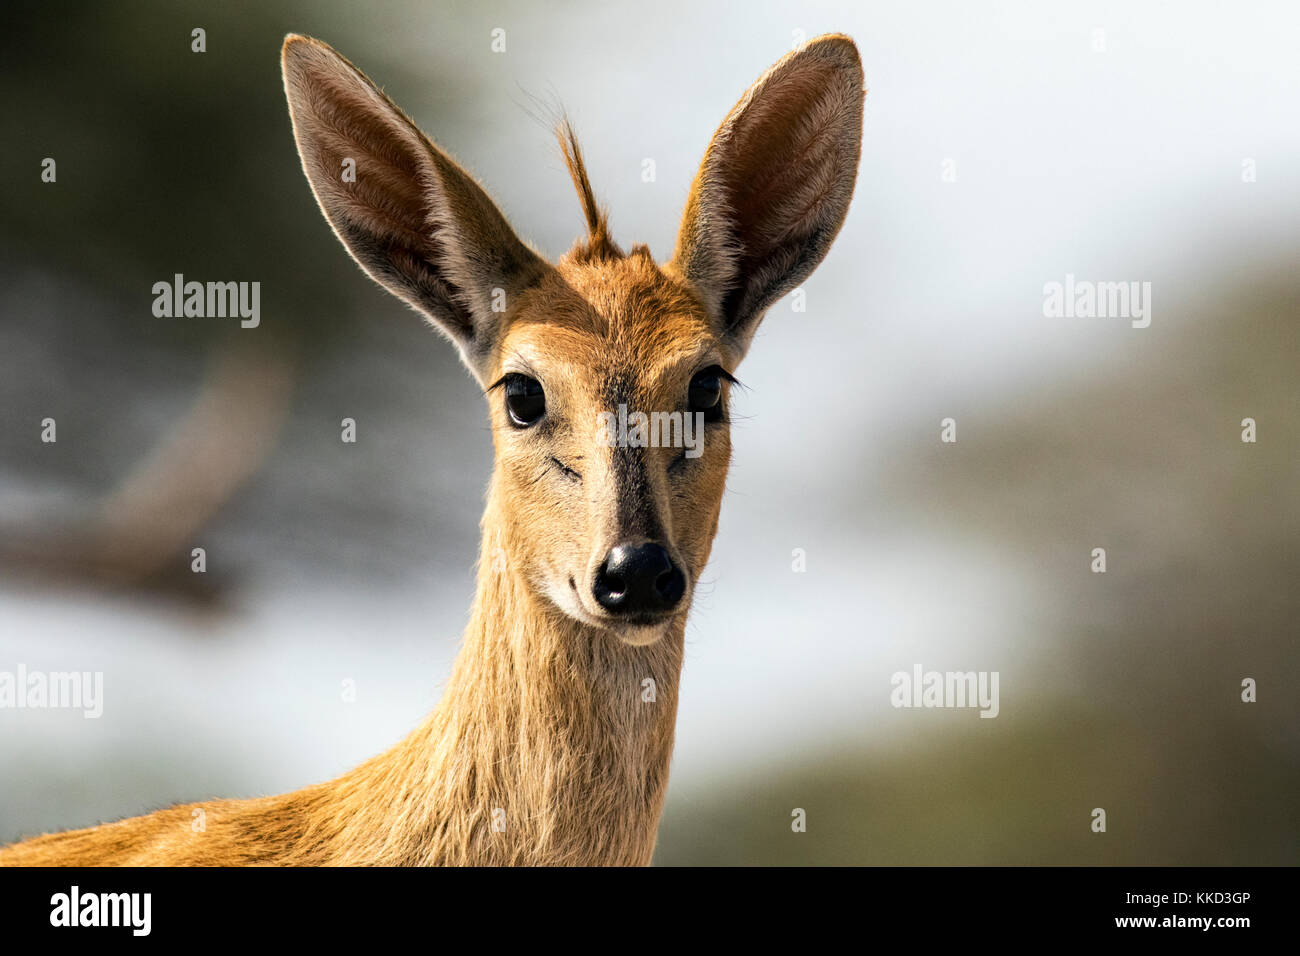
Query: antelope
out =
(545, 748)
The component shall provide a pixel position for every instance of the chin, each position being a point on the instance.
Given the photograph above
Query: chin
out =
(641, 635)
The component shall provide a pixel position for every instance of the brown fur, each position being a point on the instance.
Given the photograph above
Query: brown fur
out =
(543, 727)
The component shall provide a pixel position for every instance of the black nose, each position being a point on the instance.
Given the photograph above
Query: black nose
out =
(638, 579)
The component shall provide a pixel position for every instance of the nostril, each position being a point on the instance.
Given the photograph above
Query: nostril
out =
(609, 581)
(670, 586)
(608, 588)
(638, 579)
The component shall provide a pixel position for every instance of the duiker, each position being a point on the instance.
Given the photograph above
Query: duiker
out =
(546, 748)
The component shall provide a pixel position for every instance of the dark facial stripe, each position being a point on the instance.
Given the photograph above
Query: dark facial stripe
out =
(637, 516)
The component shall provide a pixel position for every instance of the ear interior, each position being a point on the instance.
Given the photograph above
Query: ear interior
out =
(413, 219)
(775, 184)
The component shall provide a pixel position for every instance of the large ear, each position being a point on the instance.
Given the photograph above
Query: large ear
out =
(775, 185)
(416, 221)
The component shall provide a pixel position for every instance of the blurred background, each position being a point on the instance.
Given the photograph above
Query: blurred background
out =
(1006, 145)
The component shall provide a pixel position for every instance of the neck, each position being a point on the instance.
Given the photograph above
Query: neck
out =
(550, 746)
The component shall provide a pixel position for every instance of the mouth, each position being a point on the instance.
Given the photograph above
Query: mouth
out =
(636, 629)
(638, 621)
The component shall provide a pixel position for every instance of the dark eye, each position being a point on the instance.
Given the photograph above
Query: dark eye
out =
(525, 400)
(705, 394)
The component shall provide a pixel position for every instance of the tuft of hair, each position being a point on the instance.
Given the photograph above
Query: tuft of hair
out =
(598, 244)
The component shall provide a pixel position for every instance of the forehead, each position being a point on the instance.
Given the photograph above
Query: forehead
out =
(622, 320)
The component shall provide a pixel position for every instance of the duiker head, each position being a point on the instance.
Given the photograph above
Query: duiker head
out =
(607, 375)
